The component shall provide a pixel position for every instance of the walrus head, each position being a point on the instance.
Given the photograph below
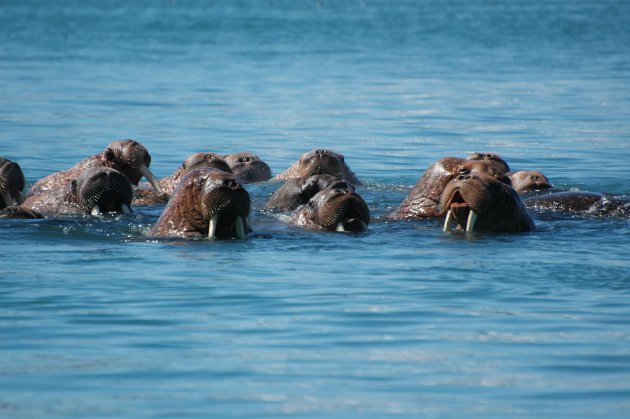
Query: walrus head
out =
(100, 190)
(207, 203)
(132, 159)
(11, 183)
(492, 158)
(334, 210)
(529, 180)
(248, 168)
(298, 191)
(481, 202)
(319, 162)
(196, 161)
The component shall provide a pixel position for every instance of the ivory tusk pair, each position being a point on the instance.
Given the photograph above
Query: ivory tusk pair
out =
(152, 180)
(470, 223)
(126, 209)
(239, 226)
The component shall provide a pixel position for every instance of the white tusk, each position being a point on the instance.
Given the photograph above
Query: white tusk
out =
(19, 198)
(152, 180)
(212, 226)
(126, 209)
(472, 220)
(240, 228)
(8, 199)
(96, 210)
(449, 219)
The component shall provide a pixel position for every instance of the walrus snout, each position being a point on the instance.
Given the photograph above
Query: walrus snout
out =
(340, 210)
(11, 183)
(101, 190)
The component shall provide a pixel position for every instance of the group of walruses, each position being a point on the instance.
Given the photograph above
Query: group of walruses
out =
(205, 196)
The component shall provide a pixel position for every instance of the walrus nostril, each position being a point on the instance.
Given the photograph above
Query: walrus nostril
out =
(232, 184)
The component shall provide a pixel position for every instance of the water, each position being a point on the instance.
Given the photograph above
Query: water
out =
(403, 320)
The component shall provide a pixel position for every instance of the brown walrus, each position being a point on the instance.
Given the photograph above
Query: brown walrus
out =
(129, 157)
(588, 204)
(206, 203)
(424, 199)
(318, 162)
(97, 190)
(524, 181)
(145, 196)
(333, 210)
(11, 183)
(248, 167)
(298, 191)
(479, 201)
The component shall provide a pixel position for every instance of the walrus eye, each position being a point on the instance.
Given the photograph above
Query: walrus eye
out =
(463, 171)
(109, 154)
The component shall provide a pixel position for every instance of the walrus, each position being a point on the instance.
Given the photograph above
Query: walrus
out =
(493, 158)
(146, 196)
(424, 199)
(318, 162)
(333, 210)
(479, 201)
(97, 190)
(524, 181)
(206, 203)
(588, 204)
(298, 191)
(11, 183)
(15, 211)
(248, 167)
(129, 157)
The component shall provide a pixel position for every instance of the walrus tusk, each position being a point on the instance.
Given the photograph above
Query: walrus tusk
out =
(8, 199)
(96, 210)
(19, 198)
(472, 220)
(449, 219)
(240, 228)
(212, 226)
(126, 209)
(152, 180)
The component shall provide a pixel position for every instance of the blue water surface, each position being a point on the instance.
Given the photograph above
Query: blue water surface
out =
(405, 320)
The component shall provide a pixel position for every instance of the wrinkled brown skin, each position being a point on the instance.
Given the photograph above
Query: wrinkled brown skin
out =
(11, 183)
(524, 181)
(498, 206)
(298, 191)
(248, 167)
(423, 200)
(145, 195)
(492, 158)
(330, 207)
(126, 156)
(319, 162)
(587, 204)
(200, 194)
(102, 186)
(18, 212)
